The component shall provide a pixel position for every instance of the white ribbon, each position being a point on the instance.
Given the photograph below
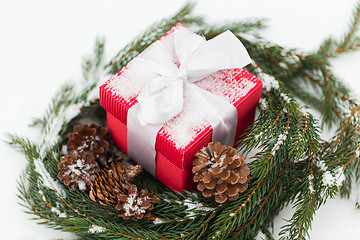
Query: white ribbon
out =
(162, 97)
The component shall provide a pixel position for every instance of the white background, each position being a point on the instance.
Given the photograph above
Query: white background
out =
(42, 43)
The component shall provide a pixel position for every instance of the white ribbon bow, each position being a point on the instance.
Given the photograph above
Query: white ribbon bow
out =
(162, 97)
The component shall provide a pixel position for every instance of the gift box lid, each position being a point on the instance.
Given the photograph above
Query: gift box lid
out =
(179, 138)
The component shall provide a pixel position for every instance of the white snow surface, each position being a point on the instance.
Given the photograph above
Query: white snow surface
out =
(41, 49)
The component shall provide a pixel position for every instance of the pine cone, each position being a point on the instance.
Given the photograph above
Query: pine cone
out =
(94, 138)
(135, 205)
(77, 170)
(221, 172)
(111, 181)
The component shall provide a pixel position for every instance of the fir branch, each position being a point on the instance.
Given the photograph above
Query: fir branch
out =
(250, 221)
(62, 98)
(92, 64)
(22, 145)
(350, 42)
(307, 203)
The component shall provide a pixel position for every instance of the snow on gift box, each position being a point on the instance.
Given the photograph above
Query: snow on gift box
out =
(175, 97)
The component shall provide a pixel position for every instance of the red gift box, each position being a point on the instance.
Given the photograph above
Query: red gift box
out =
(174, 162)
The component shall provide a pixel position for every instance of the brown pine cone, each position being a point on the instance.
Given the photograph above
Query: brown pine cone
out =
(77, 170)
(221, 172)
(135, 205)
(94, 138)
(111, 181)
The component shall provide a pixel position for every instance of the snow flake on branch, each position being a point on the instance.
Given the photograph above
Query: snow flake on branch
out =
(285, 97)
(331, 178)
(53, 209)
(269, 82)
(263, 103)
(357, 153)
(158, 221)
(46, 178)
(320, 164)
(217, 235)
(194, 206)
(281, 139)
(96, 229)
(311, 184)
(336, 178)
(58, 212)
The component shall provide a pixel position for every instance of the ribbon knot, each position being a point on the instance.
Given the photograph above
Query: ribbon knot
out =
(183, 75)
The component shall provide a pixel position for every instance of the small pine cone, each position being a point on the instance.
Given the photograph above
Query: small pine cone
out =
(111, 181)
(221, 172)
(77, 170)
(135, 205)
(94, 138)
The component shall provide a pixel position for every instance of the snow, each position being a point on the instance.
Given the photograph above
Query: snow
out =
(321, 165)
(269, 82)
(58, 212)
(193, 207)
(280, 141)
(46, 178)
(64, 150)
(229, 89)
(311, 184)
(75, 168)
(263, 103)
(158, 221)
(285, 97)
(336, 179)
(133, 204)
(185, 126)
(96, 229)
(81, 185)
(42, 195)
(216, 235)
(35, 36)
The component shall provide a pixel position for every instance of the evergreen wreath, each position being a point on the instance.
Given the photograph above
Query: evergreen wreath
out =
(292, 164)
